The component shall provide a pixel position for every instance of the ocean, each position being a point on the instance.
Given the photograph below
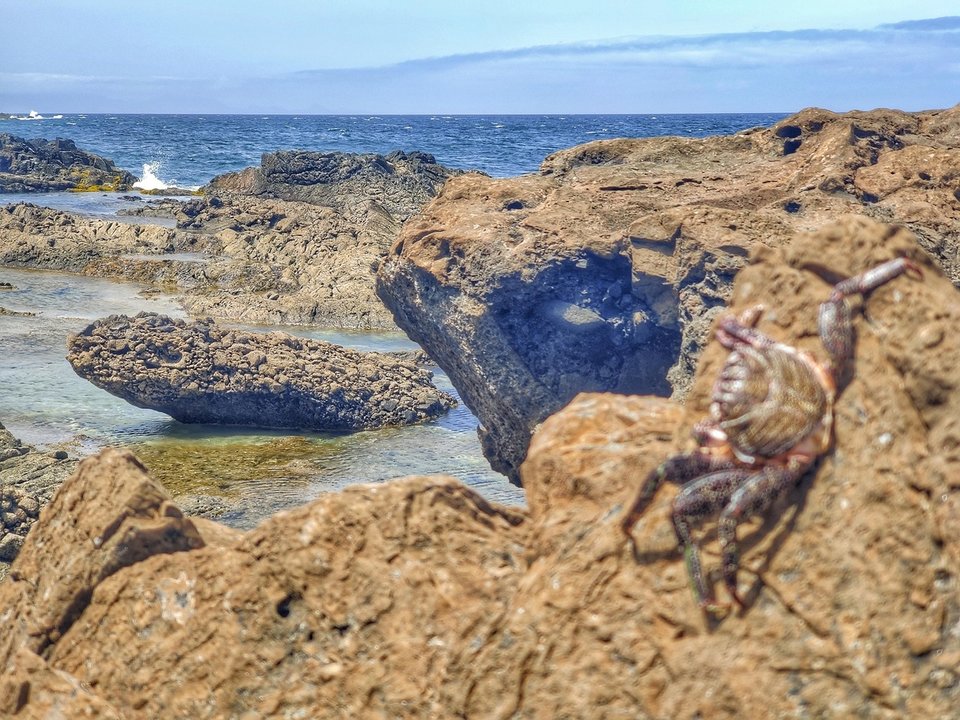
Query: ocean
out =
(253, 473)
(189, 150)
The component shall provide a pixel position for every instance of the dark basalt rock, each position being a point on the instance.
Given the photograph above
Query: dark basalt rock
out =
(199, 372)
(49, 165)
(399, 183)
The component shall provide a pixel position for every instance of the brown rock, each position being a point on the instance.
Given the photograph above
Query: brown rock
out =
(605, 270)
(309, 611)
(200, 372)
(852, 590)
(30, 688)
(417, 599)
(79, 542)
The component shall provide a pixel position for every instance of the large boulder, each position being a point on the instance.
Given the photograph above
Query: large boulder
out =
(46, 165)
(399, 183)
(605, 270)
(199, 372)
(417, 599)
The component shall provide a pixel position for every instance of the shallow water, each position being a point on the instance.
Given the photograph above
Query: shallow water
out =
(253, 472)
(95, 204)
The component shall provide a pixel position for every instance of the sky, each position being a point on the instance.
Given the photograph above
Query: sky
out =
(463, 56)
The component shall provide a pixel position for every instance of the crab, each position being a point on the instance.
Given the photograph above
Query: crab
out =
(770, 418)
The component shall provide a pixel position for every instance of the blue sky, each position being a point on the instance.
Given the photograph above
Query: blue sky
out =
(461, 56)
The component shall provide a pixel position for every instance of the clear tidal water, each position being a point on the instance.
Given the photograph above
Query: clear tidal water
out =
(254, 472)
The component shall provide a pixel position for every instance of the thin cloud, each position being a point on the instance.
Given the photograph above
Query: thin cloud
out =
(695, 49)
(949, 23)
(912, 65)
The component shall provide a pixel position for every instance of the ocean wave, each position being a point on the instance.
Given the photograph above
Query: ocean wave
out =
(34, 115)
(150, 180)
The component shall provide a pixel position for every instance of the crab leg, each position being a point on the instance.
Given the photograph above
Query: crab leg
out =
(751, 498)
(679, 469)
(835, 324)
(731, 331)
(698, 499)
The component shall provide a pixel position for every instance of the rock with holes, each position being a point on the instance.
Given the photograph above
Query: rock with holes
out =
(200, 372)
(605, 270)
(28, 478)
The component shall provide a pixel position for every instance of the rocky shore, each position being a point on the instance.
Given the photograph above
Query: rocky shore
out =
(416, 598)
(199, 372)
(48, 165)
(28, 479)
(250, 259)
(606, 270)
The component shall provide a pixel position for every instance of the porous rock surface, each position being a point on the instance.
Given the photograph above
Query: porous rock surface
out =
(605, 270)
(28, 479)
(199, 372)
(41, 165)
(416, 599)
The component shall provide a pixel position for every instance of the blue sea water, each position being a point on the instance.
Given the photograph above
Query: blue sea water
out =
(189, 150)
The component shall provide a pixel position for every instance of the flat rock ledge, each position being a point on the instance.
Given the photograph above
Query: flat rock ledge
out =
(199, 372)
(415, 598)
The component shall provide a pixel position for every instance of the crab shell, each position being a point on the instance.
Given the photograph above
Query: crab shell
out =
(772, 402)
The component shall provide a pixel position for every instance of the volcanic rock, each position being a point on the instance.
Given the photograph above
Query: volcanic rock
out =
(48, 165)
(200, 372)
(253, 260)
(48, 239)
(417, 599)
(398, 184)
(605, 270)
(28, 479)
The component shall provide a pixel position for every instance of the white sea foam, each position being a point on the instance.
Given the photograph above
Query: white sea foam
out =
(150, 181)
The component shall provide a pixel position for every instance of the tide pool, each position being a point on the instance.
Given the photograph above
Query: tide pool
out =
(248, 473)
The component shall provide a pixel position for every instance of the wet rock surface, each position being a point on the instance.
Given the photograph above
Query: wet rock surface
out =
(605, 270)
(41, 165)
(199, 372)
(417, 599)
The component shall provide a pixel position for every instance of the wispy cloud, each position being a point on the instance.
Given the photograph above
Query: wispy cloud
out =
(935, 24)
(911, 64)
(696, 49)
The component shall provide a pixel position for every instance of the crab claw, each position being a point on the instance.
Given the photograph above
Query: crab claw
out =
(912, 268)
